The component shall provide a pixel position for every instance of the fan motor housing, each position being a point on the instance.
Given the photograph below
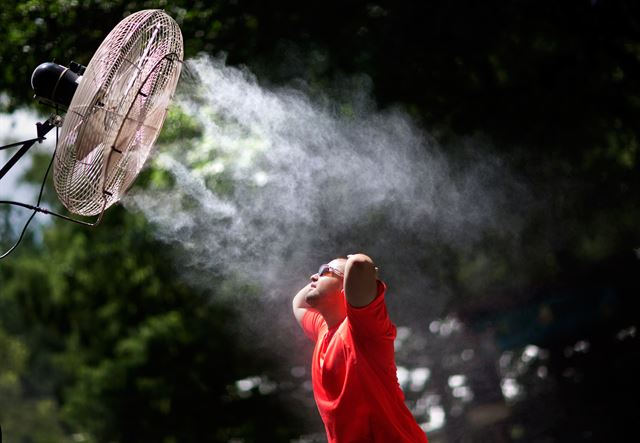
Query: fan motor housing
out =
(55, 84)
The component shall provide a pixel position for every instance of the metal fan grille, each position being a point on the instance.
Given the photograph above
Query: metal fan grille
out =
(117, 112)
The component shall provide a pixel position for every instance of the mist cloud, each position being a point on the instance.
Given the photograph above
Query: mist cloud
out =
(279, 182)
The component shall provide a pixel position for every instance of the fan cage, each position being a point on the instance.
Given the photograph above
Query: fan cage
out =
(117, 112)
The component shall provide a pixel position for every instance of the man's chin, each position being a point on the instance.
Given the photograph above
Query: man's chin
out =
(311, 299)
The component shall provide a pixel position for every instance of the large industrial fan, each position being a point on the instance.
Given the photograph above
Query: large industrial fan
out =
(115, 108)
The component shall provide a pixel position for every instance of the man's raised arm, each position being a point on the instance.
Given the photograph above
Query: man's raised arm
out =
(300, 305)
(360, 280)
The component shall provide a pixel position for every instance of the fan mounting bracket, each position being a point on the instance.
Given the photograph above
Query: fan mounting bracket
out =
(42, 130)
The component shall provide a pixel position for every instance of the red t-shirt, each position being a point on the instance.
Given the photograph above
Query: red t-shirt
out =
(354, 377)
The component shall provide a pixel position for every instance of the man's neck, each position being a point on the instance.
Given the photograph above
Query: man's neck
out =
(333, 319)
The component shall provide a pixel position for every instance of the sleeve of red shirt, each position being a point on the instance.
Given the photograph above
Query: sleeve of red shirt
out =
(372, 321)
(311, 323)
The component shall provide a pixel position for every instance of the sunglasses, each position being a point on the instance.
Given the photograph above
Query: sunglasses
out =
(326, 269)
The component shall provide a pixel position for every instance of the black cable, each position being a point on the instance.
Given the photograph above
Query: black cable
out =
(46, 211)
(37, 207)
(21, 235)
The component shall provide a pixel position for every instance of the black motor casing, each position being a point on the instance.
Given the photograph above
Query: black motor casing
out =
(54, 84)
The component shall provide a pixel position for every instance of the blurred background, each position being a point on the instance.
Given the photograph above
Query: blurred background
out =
(484, 153)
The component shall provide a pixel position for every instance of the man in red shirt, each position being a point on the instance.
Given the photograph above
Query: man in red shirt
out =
(353, 369)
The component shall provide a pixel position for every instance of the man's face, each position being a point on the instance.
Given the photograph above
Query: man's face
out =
(326, 289)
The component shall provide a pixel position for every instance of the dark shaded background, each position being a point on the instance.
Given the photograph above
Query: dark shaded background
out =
(106, 344)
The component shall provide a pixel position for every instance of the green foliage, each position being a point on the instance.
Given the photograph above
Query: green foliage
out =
(124, 345)
(63, 30)
(24, 416)
(178, 127)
